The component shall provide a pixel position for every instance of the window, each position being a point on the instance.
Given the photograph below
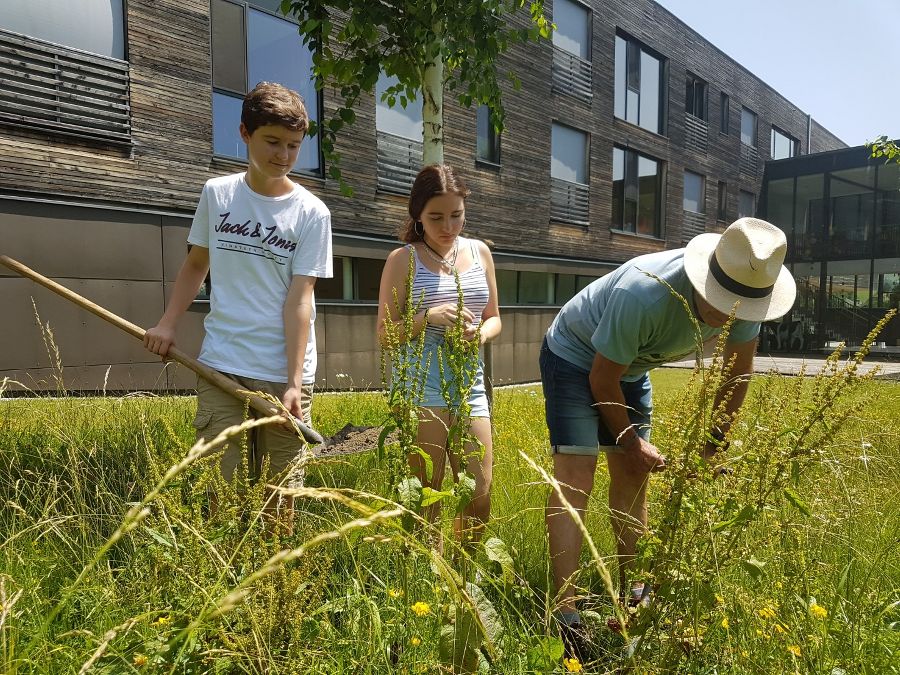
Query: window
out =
(487, 145)
(573, 28)
(250, 45)
(722, 202)
(391, 116)
(637, 193)
(507, 286)
(95, 26)
(569, 154)
(887, 292)
(398, 132)
(63, 68)
(748, 127)
(695, 97)
(639, 85)
(783, 145)
(694, 192)
(724, 113)
(746, 204)
(569, 175)
(367, 278)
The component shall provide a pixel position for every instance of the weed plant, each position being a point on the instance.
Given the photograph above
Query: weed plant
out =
(111, 563)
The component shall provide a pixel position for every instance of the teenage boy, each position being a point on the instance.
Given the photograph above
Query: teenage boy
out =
(594, 369)
(264, 239)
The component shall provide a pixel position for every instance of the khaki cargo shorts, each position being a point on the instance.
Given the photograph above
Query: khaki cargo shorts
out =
(216, 411)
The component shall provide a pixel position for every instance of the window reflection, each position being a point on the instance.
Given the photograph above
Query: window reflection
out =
(638, 82)
(637, 193)
(487, 144)
(274, 53)
(569, 154)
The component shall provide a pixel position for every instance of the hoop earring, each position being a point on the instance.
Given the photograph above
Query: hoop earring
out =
(418, 228)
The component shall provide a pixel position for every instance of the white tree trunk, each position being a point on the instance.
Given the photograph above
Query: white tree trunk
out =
(433, 109)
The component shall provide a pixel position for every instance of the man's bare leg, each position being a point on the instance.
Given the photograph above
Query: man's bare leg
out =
(575, 474)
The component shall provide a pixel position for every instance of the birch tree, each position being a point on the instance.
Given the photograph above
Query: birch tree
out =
(429, 46)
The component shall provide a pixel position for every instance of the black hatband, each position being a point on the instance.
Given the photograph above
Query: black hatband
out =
(735, 287)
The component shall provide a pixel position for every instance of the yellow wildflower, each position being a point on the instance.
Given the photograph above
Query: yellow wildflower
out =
(162, 621)
(725, 623)
(395, 593)
(415, 641)
(766, 612)
(745, 653)
(816, 611)
(779, 628)
(794, 649)
(139, 660)
(421, 608)
(572, 665)
(719, 599)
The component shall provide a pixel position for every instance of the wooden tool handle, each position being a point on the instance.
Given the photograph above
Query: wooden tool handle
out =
(225, 383)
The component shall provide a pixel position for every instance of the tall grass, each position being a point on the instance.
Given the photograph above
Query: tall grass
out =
(110, 562)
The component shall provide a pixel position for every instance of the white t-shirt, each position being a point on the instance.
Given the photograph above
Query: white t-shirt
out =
(256, 245)
(311, 360)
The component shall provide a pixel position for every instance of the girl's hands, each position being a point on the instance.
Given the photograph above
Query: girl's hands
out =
(446, 315)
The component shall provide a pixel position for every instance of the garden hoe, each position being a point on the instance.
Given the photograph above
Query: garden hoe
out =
(225, 383)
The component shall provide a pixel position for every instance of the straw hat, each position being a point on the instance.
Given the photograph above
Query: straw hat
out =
(743, 265)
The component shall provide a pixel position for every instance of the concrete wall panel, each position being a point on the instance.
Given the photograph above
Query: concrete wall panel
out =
(60, 241)
(82, 338)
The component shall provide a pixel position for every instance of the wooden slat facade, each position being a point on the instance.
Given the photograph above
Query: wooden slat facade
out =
(47, 86)
(151, 151)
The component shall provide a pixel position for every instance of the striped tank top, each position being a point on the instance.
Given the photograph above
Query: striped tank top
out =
(441, 288)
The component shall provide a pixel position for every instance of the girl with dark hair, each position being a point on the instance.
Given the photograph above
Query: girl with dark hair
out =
(440, 255)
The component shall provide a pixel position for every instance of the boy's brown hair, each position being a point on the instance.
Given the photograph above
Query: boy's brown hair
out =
(273, 103)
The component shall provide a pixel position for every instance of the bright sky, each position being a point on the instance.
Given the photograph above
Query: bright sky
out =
(838, 60)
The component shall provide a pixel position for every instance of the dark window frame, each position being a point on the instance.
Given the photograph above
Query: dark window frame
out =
(794, 143)
(724, 113)
(590, 30)
(752, 213)
(722, 202)
(630, 161)
(633, 76)
(696, 98)
(247, 6)
(755, 142)
(701, 201)
(494, 138)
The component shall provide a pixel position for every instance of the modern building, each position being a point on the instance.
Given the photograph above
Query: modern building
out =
(629, 134)
(841, 213)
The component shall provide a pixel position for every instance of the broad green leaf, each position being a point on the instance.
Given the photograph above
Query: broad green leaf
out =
(161, 538)
(382, 438)
(797, 502)
(754, 567)
(465, 490)
(410, 493)
(745, 515)
(496, 551)
(430, 496)
(544, 654)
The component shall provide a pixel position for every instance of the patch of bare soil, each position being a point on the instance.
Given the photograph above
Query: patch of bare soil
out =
(350, 440)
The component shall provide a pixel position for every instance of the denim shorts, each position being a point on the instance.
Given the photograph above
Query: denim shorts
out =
(575, 424)
(432, 396)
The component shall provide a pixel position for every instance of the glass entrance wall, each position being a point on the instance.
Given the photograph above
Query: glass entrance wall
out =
(840, 212)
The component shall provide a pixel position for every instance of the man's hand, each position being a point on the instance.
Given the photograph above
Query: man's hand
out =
(645, 456)
(159, 338)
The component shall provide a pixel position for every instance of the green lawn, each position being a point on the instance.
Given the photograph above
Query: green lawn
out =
(801, 577)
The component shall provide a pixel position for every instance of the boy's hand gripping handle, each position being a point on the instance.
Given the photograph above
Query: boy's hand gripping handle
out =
(225, 383)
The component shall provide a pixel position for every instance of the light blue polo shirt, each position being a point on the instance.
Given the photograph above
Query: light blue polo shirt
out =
(631, 318)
